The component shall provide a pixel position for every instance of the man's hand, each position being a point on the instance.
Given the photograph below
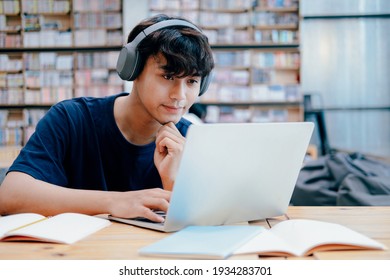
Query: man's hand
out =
(167, 156)
(133, 204)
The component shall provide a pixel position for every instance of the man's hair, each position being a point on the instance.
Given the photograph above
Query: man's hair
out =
(185, 49)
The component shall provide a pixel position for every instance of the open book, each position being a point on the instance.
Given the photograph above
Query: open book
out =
(287, 238)
(304, 237)
(63, 228)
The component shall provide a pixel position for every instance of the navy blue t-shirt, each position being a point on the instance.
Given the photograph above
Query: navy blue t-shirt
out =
(78, 144)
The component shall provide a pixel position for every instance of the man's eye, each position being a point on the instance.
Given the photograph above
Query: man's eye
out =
(168, 77)
(193, 81)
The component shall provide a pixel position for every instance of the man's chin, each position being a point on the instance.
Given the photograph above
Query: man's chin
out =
(173, 120)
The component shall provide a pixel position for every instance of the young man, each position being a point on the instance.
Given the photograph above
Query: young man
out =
(119, 154)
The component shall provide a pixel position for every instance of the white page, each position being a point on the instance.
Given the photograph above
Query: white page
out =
(11, 222)
(306, 234)
(64, 228)
(266, 241)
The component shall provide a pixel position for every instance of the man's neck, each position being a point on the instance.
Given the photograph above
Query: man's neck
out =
(132, 122)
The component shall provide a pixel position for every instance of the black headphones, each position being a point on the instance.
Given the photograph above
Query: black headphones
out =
(129, 65)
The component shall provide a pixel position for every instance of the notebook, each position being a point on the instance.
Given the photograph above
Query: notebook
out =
(232, 173)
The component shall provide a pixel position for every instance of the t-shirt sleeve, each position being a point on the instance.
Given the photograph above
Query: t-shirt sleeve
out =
(43, 155)
(183, 126)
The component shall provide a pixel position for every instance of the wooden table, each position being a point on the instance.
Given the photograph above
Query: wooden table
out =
(119, 241)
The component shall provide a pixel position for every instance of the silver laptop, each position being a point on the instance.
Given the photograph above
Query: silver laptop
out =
(232, 173)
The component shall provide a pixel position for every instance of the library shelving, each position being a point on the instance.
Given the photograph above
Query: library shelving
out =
(256, 51)
(51, 50)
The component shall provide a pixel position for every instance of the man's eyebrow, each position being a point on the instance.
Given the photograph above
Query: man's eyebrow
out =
(162, 67)
(164, 71)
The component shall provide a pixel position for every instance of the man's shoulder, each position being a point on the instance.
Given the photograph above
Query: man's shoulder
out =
(85, 103)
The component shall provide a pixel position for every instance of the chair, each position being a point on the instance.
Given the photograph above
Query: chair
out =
(318, 117)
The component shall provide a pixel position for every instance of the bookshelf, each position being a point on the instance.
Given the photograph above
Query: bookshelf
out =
(257, 59)
(56, 49)
(51, 50)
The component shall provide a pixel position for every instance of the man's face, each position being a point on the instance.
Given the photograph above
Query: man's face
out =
(166, 98)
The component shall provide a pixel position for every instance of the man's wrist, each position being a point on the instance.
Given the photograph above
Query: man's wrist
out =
(168, 184)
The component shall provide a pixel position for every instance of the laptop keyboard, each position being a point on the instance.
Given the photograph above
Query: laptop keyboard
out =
(160, 213)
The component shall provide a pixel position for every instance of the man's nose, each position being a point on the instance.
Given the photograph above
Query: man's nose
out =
(178, 91)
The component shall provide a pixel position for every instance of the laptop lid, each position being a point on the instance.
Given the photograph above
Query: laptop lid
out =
(233, 173)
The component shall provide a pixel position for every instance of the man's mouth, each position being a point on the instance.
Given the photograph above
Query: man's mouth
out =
(173, 108)
(176, 106)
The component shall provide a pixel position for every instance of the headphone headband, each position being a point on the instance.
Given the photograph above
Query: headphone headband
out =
(160, 25)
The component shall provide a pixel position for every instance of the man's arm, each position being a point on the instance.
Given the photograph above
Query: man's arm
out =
(167, 156)
(20, 193)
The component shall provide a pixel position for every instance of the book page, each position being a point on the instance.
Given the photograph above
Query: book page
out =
(64, 228)
(266, 243)
(307, 234)
(11, 222)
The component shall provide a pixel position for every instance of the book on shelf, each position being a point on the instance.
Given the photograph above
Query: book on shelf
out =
(10, 64)
(64, 228)
(11, 136)
(278, 3)
(46, 6)
(95, 6)
(240, 59)
(277, 59)
(231, 76)
(98, 20)
(226, 5)
(275, 19)
(10, 7)
(276, 36)
(10, 40)
(288, 238)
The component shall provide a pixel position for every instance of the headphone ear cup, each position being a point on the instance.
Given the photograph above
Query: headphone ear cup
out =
(205, 83)
(128, 63)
